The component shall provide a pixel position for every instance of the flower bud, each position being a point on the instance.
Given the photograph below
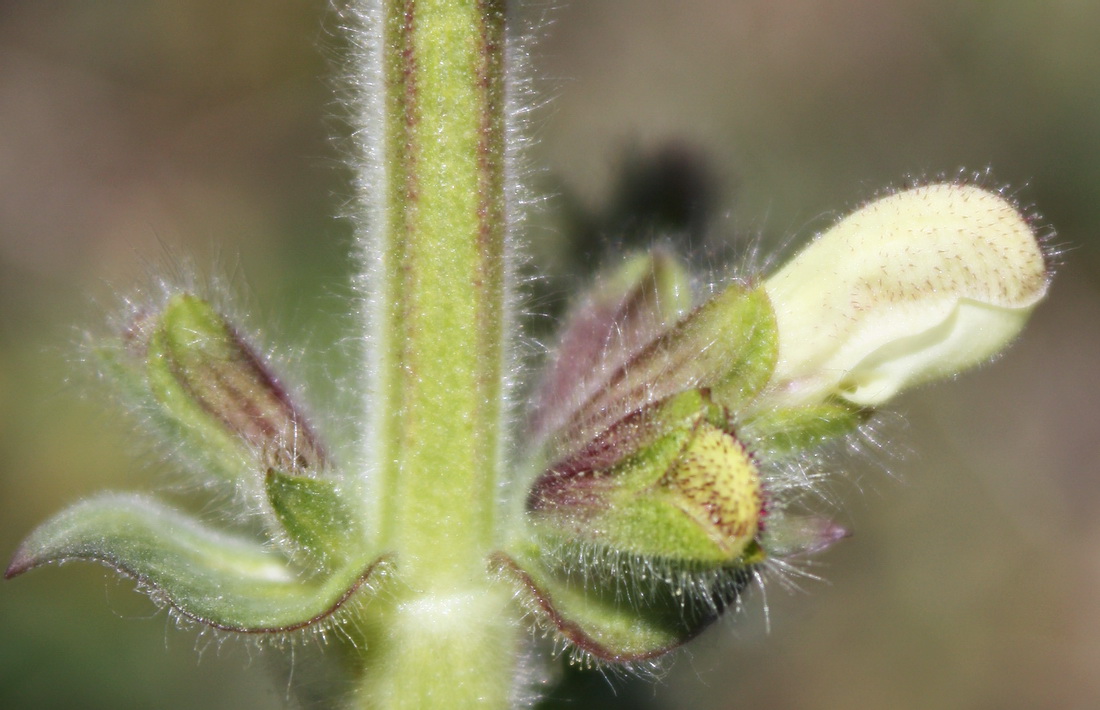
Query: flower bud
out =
(217, 391)
(910, 288)
(669, 481)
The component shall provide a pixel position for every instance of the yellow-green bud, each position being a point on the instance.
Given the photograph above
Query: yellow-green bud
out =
(669, 482)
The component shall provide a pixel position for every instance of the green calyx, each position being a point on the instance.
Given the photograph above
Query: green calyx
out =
(726, 345)
(688, 490)
(648, 464)
(199, 381)
(783, 432)
(648, 519)
(626, 309)
(215, 386)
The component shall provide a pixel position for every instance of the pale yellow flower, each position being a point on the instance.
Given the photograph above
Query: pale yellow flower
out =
(910, 288)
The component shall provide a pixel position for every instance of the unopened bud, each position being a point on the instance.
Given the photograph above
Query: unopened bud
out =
(669, 481)
(215, 387)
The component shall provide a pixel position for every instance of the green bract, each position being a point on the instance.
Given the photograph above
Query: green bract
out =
(315, 516)
(228, 582)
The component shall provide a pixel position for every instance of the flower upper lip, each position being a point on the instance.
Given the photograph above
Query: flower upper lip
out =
(910, 288)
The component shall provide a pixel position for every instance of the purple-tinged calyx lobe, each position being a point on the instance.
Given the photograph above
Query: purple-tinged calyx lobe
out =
(669, 481)
(626, 309)
(212, 383)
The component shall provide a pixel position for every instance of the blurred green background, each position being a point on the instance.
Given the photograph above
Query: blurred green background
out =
(138, 135)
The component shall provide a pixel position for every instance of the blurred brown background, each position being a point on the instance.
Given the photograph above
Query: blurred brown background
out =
(136, 133)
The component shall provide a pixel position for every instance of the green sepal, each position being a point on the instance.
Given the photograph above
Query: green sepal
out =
(669, 482)
(727, 345)
(791, 430)
(746, 318)
(628, 307)
(208, 449)
(205, 439)
(221, 394)
(224, 581)
(317, 520)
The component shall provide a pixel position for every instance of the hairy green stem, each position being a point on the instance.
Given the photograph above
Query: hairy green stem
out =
(439, 297)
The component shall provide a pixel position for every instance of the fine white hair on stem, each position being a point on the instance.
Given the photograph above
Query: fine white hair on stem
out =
(363, 92)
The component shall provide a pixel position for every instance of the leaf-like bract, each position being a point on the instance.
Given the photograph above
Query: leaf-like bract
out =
(223, 581)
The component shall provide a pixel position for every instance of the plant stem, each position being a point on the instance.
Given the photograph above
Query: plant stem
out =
(438, 291)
